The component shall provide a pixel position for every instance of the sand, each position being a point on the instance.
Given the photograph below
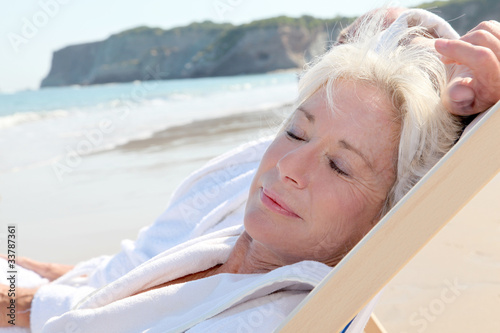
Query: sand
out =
(112, 194)
(453, 284)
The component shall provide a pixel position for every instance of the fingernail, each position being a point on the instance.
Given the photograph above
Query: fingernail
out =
(441, 43)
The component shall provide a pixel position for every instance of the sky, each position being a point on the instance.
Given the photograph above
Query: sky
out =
(30, 31)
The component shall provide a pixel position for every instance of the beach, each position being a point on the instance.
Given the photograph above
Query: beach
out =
(70, 208)
(112, 194)
(83, 168)
(453, 283)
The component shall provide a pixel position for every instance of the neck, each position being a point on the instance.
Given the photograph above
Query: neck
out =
(249, 257)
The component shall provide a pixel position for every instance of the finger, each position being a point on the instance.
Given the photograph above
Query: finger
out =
(441, 45)
(485, 39)
(486, 34)
(491, 26)
(448, 61)
(460, 97)
(478, 58)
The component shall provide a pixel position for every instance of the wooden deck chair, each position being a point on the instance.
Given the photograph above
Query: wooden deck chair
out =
(408, 227)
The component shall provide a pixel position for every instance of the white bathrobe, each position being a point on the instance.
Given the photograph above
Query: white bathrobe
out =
(196, 232)
(220, 303)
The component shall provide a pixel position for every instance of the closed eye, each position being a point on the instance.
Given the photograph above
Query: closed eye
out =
(293, 136)
(338, 170)
(333, 165)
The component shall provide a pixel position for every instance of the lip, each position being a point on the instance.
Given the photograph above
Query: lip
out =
(274, 203)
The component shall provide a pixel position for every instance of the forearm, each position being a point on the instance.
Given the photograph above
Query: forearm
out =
(16, 303)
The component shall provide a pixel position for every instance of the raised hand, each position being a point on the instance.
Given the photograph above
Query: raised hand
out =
(474, 61)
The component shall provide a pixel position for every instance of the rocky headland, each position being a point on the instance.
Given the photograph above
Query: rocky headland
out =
(209, 49)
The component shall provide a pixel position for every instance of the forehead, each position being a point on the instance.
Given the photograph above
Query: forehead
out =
(359, 114)
(352, 101)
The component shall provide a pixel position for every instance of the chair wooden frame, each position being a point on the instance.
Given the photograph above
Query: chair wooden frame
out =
(374, 325)
(411, 224)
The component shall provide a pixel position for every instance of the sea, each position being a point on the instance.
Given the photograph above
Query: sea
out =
(84, 167)
(44, 126)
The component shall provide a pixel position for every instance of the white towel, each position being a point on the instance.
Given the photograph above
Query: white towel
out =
(415, 17)
(209, 200)
(220, 303)
(252, 303)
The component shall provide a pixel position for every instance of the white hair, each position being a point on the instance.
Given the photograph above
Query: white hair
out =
(413, 78)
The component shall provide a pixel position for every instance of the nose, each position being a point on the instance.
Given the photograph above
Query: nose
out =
(295, 167)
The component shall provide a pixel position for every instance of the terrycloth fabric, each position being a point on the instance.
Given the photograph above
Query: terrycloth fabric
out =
(209, 200)
(225, 302)
(220, 303)
(436, 25)
(182, 307)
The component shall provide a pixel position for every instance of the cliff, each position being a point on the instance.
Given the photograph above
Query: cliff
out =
(464, 15)
(210, 49)
(197, 50)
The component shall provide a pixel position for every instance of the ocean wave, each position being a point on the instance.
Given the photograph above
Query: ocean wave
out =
(189, 111)
(85, 142)
(267, 118)
(25, 117)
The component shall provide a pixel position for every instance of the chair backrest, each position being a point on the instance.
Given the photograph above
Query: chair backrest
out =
(397, 238)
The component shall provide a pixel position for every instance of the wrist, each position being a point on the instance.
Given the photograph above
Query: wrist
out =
(23, 306)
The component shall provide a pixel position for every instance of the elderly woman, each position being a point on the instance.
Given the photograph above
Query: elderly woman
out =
(368, 123)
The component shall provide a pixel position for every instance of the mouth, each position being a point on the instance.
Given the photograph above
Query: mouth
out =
(275, 204)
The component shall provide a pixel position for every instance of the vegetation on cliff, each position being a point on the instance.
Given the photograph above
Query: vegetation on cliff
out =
(212, 49)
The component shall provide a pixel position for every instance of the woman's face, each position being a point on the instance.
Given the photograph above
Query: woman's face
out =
(322, 182)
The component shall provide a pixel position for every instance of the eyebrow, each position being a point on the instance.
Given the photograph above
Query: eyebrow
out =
(308, 115)
(344, 144)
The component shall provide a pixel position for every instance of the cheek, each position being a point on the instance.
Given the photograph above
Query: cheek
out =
(370, 204)
(278, 148)
(268, 161)
(346, 209)
(342, 199)
(264, 171)
(339, 220)
(273, 154)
